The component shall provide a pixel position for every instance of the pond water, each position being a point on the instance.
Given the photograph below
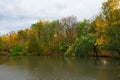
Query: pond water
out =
(59, 68)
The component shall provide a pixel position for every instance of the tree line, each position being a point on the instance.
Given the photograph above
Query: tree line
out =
(69, 37)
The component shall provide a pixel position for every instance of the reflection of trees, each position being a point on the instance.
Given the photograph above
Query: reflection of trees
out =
(101, 61)
(2, 60)
(58, 68)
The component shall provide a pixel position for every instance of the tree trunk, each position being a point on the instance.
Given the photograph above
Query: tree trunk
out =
(95, 51)
(118, 51)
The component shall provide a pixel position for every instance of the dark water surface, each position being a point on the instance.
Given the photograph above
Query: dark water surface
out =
(59, 68)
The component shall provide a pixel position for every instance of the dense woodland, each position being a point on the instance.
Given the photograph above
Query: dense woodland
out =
(69, 37)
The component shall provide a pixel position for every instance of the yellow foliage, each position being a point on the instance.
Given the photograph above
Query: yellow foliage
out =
(99, 41)
(115, 23)
(114, 4)
(101, 25)
(40, 22)
(5, 38)
(13, 39)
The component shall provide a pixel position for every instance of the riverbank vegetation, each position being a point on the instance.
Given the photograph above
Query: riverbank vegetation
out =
(67, 36)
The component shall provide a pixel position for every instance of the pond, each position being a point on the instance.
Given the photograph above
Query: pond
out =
(58, 68)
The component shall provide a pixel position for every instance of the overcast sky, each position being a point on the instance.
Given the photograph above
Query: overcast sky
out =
(20, 14)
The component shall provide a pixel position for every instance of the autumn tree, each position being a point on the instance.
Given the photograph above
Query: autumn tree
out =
(111, 11)
(69, 24)
(1, 44)
(6, 41)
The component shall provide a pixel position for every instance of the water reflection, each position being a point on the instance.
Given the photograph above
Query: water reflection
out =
(58, 68)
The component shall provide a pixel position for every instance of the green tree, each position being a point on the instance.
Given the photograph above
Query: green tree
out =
(18, 50)
(33, 46)
(111, 12)
(82, 28)
(82, 46)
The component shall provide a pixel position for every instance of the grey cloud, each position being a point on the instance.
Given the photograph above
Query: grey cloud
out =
(19, 14)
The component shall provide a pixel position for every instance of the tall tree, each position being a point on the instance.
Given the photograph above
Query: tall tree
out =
(69, 24)
(111, 11)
